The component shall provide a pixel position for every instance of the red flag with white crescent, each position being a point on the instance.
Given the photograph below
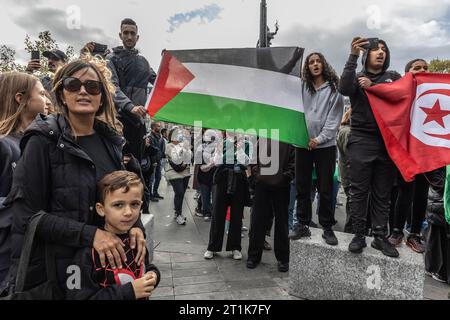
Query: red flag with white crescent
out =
(413, 115)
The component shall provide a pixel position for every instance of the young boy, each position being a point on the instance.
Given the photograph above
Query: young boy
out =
(119, 203)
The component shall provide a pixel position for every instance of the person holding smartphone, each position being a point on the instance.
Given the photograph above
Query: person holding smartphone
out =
(372, 171)
(56, 59)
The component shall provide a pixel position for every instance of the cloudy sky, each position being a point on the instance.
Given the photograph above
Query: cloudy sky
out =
(412, 28)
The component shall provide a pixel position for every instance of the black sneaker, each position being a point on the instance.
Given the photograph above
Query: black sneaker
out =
(299, 231)
(252, 264)
(382, 244)
(357, 244)
(283, 266)
(157, 196)
(312, 224)
(153, 199)
(330, 237)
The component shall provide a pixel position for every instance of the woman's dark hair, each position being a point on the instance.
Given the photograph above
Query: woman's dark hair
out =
(328, 73)
(409, 64)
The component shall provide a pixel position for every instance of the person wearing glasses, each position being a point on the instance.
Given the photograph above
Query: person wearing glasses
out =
(63, 158)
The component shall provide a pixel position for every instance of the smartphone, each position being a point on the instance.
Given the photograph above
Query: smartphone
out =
(373, 43)
(99, 48)
(35, 55)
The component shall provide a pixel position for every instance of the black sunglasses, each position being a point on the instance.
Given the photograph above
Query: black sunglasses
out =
(72, 84)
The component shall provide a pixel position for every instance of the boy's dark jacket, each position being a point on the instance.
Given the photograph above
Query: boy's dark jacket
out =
(362, 119)
(98, 283)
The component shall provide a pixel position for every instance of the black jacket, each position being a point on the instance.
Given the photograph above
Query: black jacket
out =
(362, 119)
(285, 171)
(435, 208)
(131, 74)
(9, 154)
(55, 175)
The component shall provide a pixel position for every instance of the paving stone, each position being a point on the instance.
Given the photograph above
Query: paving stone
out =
(200, 288)
(186, 257)
(193, 265)
(250, 284)
(163, 292)
(217, 277)
(161, 257)
(194, 272)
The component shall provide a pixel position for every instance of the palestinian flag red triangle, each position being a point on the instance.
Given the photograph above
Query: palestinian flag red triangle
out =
(172, 78)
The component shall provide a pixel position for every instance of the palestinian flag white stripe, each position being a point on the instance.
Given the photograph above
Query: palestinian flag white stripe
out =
(249, 84)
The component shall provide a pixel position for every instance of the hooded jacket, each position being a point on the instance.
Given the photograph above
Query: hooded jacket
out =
(55, 175)
(131, 74)
(362, 118)
(323, 112)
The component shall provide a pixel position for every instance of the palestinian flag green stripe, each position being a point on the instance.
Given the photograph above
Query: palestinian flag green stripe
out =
(226, 113)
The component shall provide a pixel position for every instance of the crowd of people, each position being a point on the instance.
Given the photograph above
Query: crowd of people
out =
(77, 146)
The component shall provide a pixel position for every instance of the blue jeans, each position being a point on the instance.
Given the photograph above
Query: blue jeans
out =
(205, 192)
(155, 179)
(292, 218)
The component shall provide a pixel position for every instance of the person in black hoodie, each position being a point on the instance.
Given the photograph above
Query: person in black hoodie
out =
(272, 194)
(131, 74)
(371, 171)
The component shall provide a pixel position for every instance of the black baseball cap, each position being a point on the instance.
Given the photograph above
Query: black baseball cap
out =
(55, 54)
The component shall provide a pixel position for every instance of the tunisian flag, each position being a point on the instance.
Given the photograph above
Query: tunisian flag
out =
(413, 115)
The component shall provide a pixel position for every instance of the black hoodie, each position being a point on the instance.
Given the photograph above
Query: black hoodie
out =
(362, 119)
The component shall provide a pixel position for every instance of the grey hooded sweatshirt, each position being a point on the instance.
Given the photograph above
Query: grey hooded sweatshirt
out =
(323, 112)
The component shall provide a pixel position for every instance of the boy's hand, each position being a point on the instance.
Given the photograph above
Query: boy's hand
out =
(137, 237)
(144, 286)
(110, 246)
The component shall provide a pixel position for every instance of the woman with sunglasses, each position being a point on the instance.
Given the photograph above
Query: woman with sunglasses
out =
(23, 98)
(63, 157)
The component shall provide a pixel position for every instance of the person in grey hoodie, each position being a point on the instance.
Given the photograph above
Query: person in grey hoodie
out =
(324, 107)
(131, 74)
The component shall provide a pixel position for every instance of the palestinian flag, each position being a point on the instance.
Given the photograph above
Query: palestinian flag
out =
(233, 89)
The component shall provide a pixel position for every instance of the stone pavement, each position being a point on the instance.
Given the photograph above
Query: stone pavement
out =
(186, 275)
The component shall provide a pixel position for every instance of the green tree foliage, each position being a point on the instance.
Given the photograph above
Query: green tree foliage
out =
(440, 66)
(7, 60)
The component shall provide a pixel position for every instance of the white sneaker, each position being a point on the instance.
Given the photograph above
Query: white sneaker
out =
(208, 254)
(180, 220)
(237, 255)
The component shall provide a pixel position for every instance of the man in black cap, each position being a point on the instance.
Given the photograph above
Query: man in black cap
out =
(56, 59)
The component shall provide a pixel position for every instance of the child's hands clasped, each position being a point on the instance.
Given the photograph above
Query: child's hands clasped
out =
(144, 286)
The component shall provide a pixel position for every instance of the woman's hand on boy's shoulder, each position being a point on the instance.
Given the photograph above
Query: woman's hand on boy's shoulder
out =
(137, 238)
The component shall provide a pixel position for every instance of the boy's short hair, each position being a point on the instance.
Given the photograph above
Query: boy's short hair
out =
(115, 181)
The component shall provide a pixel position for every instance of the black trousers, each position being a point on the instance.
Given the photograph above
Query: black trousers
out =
(268, 203)
(371, 174)
(179, 188)
(324, 161)
(221, 201)
(411, 201)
